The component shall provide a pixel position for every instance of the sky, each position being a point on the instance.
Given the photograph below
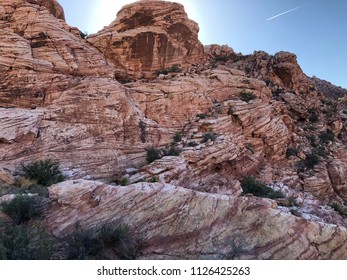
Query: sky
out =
(315, 30)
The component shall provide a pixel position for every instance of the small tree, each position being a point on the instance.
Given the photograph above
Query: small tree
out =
(291, 152)
(326, 137)
(251, 185)
(23, 208)
(44, 172)
(247, 96)
(178, 137)
(311, 161)
(152, 154)
(208, 136)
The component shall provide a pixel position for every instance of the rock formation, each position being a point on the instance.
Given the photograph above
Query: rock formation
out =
(176, 223)
(97, 106)
(149, 36)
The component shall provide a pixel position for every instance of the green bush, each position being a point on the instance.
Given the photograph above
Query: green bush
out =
(309, 162)
(90, 244)
(279, 90)
(202, 116)
(154, 179)
(313, 117)
(83, 245)
(83, 35)
(313, 140)
(192, 144)
(291, 152)
(21, 242)
(153, 154)
(45, 172)
(178, 137)
(208, 136)
(320, 151)
(326, 137)
(119, 239)
(251, 185)
(23, 208)
(172, 69)
(124, 181)
(339, 208)
(247, 96)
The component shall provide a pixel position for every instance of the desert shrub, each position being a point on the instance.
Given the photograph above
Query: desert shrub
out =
(251, 185)
(125, 81)
(154, 179)
(90, 244)
(326, 137)
(202, 116)
(300, 166)
(45, 172)
(83, 35)
(25, 183)
(192, 144)
(10, 189)
(172, 69)
(339, 208)
(279, 90)
(313, 117)
(124, 181)
(23, 208)
(320, 151)
(311, 161)
(21, 242)
(291, 152)
(172, 151)
(208, 136)
(247, 96)
(178, 137)
(313, 140)
(82, 244)
(152, 154)
(119, 239)
(175, 68)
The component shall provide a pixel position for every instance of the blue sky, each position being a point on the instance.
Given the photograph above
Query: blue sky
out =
(316, 31)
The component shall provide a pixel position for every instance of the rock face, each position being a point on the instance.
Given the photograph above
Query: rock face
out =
(149, 36)
(218, 120)
(176, 223)
(329, 90)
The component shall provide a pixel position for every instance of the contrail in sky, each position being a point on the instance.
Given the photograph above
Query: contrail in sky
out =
(281, 14)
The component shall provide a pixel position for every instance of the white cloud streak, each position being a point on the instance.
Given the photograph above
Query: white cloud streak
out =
(286, 12)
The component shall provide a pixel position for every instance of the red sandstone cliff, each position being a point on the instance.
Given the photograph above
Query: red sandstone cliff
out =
(61, 98)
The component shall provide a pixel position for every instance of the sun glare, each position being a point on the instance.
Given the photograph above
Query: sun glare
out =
(104, 12)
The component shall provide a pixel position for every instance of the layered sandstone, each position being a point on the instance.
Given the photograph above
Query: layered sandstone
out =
(35, 39)
(176, 223)
(60, 98)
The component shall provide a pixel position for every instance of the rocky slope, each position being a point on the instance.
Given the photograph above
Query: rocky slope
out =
(98, 105)
(328, 89)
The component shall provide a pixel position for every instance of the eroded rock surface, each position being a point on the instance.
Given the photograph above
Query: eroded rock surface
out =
(176, 223)
(61, 98)
(149, 36)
